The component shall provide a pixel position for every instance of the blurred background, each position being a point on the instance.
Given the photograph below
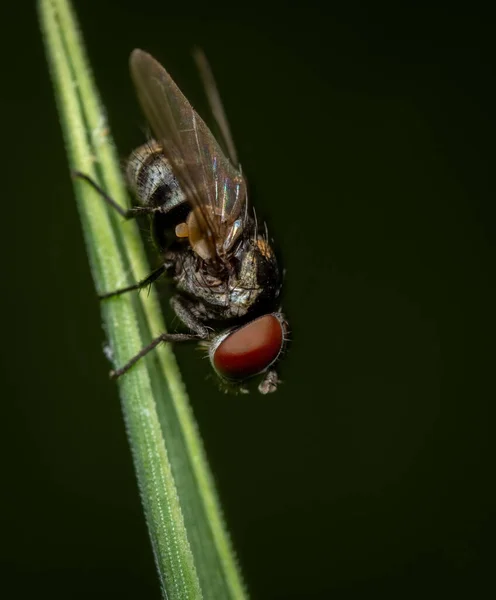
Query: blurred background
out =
(367, 134)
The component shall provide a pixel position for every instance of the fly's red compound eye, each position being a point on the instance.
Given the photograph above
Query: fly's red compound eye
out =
(248, 350)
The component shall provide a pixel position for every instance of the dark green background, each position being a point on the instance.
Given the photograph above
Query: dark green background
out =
(368, 135)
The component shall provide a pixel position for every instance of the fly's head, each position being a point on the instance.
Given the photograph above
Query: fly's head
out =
(239, 354)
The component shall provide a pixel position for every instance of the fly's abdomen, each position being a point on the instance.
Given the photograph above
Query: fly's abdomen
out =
(150, 177)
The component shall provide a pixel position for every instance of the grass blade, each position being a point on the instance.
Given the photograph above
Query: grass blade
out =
(191, 547)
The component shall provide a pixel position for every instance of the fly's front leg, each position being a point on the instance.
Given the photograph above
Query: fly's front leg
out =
(198, 332)
(163, 337)
(130, 213)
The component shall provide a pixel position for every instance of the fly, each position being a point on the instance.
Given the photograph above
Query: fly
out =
(226, 276)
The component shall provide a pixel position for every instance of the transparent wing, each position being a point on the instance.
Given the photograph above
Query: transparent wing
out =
(216, 105)
(213, 186)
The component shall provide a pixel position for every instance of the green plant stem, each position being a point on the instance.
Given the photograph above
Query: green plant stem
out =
(191, 547)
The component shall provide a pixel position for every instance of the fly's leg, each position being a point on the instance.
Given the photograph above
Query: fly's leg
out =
(130, 213)
(163, 337)
(269, 382)
(154, 275)
(198, 332)
(182, 309)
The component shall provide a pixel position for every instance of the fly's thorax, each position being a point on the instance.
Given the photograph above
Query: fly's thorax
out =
(249, 284)
(252, 283)
(150, 177)
(258, 282)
